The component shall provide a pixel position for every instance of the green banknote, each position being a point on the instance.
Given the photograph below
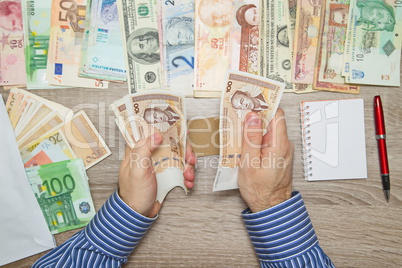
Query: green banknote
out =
(63, 194)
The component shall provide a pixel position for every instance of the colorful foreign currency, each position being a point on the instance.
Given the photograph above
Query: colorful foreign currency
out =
(159, 111)
(212, 30)
(178, 45)
(278, 65)
(328, 69)
(67, 28)
(63, 194)
(245, 36)
(306, 40)
(103, 34)
(139, 28)
(119, 109)
(243, 93)
(12, 40)
(37, 18)
(377, 39)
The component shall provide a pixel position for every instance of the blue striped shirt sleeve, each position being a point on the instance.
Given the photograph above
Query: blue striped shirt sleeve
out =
(106, 241)
(283, 236)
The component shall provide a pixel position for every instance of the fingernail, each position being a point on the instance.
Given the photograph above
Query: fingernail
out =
(253, 120)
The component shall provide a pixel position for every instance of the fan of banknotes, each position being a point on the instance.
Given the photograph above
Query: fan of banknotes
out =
(188, 45)
(56, 148)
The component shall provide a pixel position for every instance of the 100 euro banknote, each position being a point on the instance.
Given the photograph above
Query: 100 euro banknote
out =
(63, 194)
(160, 112)
(242, 93)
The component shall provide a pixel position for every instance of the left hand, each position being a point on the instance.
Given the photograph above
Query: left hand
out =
(137, 181)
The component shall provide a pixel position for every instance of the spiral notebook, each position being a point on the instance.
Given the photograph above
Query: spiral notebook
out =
(333, 139)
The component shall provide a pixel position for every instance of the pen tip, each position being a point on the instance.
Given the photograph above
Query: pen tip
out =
(387, 194)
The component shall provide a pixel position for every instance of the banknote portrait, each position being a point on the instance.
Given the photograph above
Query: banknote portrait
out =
(244, 100)
(10, 16)
(179, 31)
(109, 12)
(248, 15)
(143, 46)
(376, 15)
(282, 36)
(338, 15)
(161, 117)
(215, 13)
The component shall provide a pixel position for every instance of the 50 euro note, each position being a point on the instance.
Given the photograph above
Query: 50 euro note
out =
(161, 112)
(243, 93)
(63, 194)
(139, 27)
(178, 45)
(376, 42)
(212, 31)
(245, 37)
(67, 28)
(12, 59)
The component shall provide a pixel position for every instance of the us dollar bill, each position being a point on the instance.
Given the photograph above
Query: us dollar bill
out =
(139, 28)
(242, 93)
(159, 111)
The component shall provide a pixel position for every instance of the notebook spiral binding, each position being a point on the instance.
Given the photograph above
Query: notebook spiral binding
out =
(306, 141)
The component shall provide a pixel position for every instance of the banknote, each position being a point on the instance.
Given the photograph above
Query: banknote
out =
(40, 158)
(243, 93)
(292, 8)
(52, 151)
(63, 194)
(84, 139)
(103, 33)
(278, 65)
(12, 50)
(122, 120)
(348, 40)
(67, 27)
(245, 36)
(55, 138)
(178, 45)
(139, 28)
(212, 30)
(377, 40)
(306, 40)
(163, 112)
(36, 18)
(329, 59)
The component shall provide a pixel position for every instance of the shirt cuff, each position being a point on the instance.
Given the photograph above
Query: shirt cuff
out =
(116, 228)
(281, 232)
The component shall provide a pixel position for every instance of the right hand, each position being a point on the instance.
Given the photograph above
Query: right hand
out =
(265, 173)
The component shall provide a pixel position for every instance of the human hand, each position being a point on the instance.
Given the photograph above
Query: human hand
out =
(137, 181)
(265, 173)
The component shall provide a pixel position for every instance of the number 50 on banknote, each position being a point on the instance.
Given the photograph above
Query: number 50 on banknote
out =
(242, 93)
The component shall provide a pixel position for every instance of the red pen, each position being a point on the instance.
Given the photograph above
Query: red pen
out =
(382, 145)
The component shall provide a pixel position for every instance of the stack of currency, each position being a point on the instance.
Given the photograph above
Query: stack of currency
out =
(243, 93)
(139, 116)
(56, 148)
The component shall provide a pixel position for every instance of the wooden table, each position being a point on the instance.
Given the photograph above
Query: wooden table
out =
(356, 227)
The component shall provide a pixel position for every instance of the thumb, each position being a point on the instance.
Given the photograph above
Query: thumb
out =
(148, 146)
(252, 136)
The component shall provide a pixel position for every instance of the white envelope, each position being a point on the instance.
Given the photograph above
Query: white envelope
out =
(23, 230)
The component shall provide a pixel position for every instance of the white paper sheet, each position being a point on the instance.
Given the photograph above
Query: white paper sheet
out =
(23, 230)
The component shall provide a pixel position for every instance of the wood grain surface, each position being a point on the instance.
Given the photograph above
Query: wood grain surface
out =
(356, 227)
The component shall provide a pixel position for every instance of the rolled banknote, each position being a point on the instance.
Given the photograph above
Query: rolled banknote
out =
(139, 28)
(163, 112)
(12, 59)
(376, 41)
(242, 94)
(67, 27)
(178, 45)
(63, 194)
(245, 36)
(212, 30)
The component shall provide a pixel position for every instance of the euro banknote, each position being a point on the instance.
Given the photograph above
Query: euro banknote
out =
(243, 93)
(63, 194)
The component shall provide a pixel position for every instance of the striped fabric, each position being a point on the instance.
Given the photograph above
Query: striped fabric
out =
(107, 241)
(283, 236)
